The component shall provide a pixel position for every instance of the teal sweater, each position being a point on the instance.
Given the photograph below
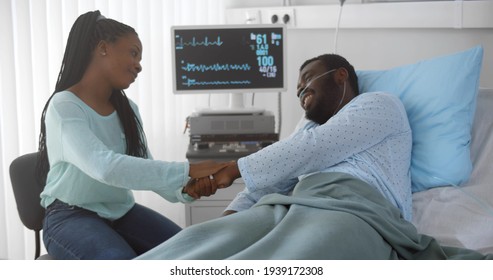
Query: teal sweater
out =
(88, 165)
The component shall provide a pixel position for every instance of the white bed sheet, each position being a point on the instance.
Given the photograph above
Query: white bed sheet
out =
(463, 216)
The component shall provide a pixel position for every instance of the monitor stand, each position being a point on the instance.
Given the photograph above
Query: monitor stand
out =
(236, 107)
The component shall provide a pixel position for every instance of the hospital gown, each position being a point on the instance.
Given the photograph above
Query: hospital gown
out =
(370, 138)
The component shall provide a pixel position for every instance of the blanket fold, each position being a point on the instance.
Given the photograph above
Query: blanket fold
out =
(328, 216)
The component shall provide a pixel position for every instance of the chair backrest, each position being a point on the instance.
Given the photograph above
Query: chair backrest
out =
(27, 191)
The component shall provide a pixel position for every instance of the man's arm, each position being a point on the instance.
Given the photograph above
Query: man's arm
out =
(364, 122)
(246, 199)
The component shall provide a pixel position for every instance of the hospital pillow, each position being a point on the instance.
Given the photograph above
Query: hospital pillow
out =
(439, 95)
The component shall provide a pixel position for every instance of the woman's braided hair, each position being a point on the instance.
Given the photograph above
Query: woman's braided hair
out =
(86, 33)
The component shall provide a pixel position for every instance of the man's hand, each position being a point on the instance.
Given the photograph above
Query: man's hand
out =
(205, 168)
(228, 212)
(226, 176)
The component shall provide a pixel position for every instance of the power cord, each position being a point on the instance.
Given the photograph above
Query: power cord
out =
(279, 112)
(336, 36)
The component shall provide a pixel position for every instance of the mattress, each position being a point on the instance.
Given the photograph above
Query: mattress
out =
(462, 216)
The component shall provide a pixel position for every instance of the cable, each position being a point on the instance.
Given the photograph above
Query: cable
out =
(336, 36)
(279, 94)
(279, 104)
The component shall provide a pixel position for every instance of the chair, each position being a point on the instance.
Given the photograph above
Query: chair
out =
(26, 192)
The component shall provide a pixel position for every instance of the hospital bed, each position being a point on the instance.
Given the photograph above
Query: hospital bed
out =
(463, 216)
(452, 122)
(451, 169)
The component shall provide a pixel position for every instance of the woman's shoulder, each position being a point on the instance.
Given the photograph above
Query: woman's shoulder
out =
(66, 97)
(67, 105)
(134, 105)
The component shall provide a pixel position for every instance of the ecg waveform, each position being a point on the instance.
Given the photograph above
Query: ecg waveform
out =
(180, 44)
(191, 67)
(193, 82)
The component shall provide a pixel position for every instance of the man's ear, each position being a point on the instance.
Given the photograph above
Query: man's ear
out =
(341, 75)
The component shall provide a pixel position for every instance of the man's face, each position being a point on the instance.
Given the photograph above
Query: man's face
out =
(321, 95)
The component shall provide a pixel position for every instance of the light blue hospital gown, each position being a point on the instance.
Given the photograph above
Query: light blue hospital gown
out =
(369, 138)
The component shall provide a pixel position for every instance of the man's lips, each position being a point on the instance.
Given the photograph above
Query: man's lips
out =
(306, 100)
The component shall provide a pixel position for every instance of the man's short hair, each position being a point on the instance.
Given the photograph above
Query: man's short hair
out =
(334, 61)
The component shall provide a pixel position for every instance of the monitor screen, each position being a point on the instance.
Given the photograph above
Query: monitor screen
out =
(228, 58)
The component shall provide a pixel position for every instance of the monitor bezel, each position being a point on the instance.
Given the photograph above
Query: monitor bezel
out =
(229, 26)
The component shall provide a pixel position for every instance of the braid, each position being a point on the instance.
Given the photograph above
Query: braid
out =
(110, 30)
(134, 133)
(88, 30)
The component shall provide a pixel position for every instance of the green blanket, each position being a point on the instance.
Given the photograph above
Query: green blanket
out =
(328, 216)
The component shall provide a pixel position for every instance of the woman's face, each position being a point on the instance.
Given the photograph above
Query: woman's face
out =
(122, 61)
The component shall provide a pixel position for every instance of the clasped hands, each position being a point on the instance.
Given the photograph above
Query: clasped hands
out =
(208, 176)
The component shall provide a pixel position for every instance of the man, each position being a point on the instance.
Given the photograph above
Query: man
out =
(347, 175)
(367, 136)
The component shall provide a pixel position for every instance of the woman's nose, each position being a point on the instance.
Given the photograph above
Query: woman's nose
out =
(138, 67)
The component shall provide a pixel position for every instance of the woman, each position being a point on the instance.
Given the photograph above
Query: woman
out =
(91, 133)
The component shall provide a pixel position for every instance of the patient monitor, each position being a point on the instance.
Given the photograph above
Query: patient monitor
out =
(233, 59)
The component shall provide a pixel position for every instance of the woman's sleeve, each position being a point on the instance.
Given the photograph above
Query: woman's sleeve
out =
(82, 148)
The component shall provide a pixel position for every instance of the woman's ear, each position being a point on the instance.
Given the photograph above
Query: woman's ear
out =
(102, 48)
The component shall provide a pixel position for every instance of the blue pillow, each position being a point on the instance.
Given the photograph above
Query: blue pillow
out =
(439, 95)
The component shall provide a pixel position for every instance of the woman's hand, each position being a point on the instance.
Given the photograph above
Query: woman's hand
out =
(197, 188)
(207, 185)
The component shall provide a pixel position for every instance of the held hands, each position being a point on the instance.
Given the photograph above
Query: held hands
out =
(226, 176)
(199, 187)
(208, 176)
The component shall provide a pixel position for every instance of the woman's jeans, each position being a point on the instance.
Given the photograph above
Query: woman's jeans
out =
(71, 232)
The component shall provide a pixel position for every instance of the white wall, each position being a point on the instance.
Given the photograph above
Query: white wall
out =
(380, 49)
(378, 45)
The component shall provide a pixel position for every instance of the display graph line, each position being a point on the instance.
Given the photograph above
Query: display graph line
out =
(191, 67)
(181, 44)
(193, 82)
